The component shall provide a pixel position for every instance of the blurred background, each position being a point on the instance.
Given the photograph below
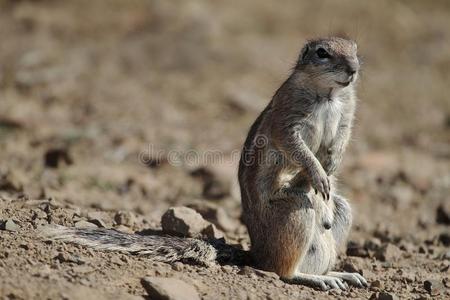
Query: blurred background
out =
(87, 87)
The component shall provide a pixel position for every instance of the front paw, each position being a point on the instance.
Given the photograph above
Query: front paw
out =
(320, 182)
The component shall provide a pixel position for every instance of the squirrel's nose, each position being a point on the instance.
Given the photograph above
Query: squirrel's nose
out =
(351, 67)
(350, 71)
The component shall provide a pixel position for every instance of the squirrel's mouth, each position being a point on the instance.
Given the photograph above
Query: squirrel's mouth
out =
(343, 83)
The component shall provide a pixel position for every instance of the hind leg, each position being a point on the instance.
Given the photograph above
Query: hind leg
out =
(340, 229)
(319, 254)
(283, 234)
(320, 258)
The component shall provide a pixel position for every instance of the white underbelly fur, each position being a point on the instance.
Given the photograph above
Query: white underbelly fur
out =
(328, 116)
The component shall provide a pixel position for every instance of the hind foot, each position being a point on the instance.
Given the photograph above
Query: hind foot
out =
(321, 282)
(354, 279)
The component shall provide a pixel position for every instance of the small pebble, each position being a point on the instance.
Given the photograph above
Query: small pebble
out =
(433, 287)
(10, 225)
(85, 224)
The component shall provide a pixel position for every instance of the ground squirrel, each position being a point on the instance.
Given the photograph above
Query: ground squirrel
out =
(296, 143)
(291, 152)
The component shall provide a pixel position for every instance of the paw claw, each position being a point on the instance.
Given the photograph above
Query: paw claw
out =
(362, 280)
(356, 279)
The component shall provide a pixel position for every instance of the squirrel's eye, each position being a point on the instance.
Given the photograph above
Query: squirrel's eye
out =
(322, 53)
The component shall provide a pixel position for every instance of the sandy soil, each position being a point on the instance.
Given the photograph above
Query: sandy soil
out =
(109, 108)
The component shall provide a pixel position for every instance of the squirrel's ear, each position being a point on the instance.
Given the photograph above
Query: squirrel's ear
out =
(303, 53)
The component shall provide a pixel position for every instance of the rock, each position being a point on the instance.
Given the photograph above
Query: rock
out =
(431, 249)
(211, 232)
(215, 189)
(422, 184)
(384, 234)
(408, 276)
(349, 267)
(38, 214)
(266, 274)
(11, 181)
(446, 269)
(335, 292)
(65, 257)
(433, 287)
(444, 238)
(402, 196)
(116, 260)
(178, 266)
(388, 253)
(368, 274)
(443, 213)
(101, 219)
(43, 272)
(7, 123)
(372, 244)
(377, 284)
(353, 264)
(169, 289)
(125, 218)
(407, 246)
(53, 158)
(387, 296)
(248, 271)
(214, 214)
(85, 224)
(10, 225)
(445, 255)
(227, 269)
(355, 249)
(123, 229)
(183, 221)
(26, 246)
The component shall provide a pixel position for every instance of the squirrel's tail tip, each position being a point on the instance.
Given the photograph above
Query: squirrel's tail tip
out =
(53, 231)
(97, 238)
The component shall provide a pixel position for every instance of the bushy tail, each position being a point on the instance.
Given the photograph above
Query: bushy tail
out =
(159, 248)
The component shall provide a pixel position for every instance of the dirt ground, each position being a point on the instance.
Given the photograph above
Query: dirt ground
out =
(110, 110)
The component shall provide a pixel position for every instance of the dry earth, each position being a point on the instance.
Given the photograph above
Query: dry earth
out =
(109, 108)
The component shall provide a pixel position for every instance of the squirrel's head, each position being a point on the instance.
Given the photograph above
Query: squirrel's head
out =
(329, 63)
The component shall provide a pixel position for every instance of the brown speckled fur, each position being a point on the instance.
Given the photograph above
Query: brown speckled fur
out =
(288, 161)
